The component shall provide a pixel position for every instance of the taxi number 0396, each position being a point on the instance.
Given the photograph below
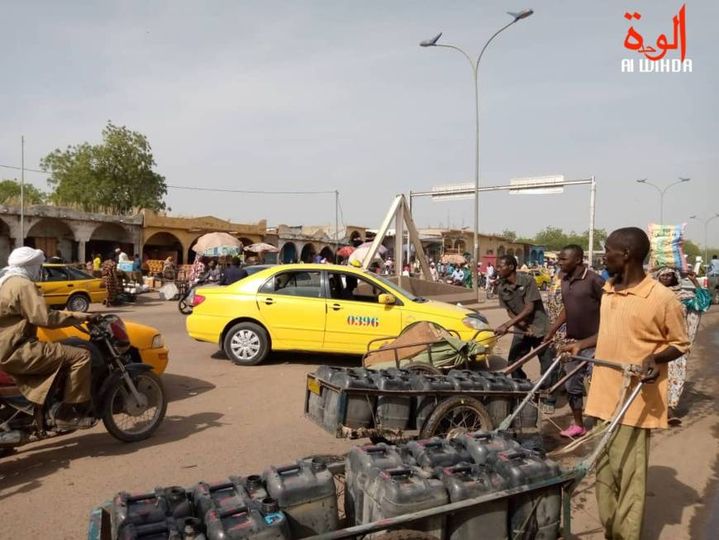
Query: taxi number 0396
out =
(362, 320)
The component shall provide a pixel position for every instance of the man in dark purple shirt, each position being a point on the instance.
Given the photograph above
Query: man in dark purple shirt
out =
(581, 297)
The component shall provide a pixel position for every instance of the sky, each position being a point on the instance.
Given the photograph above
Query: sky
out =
(337, 95)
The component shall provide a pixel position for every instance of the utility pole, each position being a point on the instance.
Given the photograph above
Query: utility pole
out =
(22, 191)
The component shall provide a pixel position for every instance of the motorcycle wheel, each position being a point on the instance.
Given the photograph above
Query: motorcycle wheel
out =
(183, 306)
(124, 418)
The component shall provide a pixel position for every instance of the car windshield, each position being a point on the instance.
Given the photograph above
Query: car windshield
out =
(398, 289)
(77, 274)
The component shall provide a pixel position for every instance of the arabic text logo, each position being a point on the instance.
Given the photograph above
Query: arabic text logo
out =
(654, 55)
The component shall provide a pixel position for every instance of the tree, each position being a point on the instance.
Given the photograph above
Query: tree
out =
(553, 238)
(692, 250)
(10, 193)
(114, 176)
(509, 235)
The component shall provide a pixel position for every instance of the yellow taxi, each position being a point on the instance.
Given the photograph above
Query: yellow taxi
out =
(65, 285)
(315, 308)
(541, 278)
(147, 343)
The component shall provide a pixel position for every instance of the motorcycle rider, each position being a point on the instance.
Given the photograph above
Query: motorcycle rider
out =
(34, 364)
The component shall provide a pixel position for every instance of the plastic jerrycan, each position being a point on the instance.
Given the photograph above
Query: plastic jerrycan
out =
(361, 464)
(487, 521)
(352, 411)
(315, 403)
(247, 521)
(535, 514)
(426, 404)
(465, 379)
(404, 490)
(429, 454)
(393, 412)
(499, 407)
(306, 493)
(483, 447)
(189, 528)
(163, 503)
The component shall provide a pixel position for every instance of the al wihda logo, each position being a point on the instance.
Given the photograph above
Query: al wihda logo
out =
(655, 60)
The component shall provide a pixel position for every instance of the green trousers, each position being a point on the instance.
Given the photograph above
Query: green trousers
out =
(622, 483)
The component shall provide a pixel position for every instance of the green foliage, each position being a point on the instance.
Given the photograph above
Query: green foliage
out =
(692, 250)
(554, 238)
(509, 235)
(10, 193)
(114, 176)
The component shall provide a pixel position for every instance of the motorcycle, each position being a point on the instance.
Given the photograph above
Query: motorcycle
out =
(184, 304)
(127, 396)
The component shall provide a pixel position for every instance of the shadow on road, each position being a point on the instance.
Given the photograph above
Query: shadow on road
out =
(179, 387)
(23, 472)
(303, 359)
(666, 499)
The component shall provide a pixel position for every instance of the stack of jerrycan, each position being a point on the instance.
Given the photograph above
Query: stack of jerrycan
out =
(383, 482)
(362, 464)
(164, 513)
(528, 417)
(305, 491)
(535, 514)
(354, 412)
(498, 408)
(453, 465)
(424, 405)
(239, 508)
(393, 412)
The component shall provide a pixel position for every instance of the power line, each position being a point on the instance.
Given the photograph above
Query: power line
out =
(20, 168)
(251, 191)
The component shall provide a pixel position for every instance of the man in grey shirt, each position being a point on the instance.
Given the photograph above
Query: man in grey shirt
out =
(519, 295)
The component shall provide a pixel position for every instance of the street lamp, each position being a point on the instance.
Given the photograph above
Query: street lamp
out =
(433, 42)
(661, 193)
(706, 237)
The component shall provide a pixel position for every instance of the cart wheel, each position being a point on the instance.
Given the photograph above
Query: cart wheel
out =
(406, 535)
(422, 368)
(454, 416)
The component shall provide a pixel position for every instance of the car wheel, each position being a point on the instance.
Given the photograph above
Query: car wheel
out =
(246, 344)
(78, 302)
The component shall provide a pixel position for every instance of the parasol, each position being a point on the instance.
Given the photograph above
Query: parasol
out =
(262, 247)
(217, 244)
(345, 251)
(453, 258)
(381, 250)
(360, 253)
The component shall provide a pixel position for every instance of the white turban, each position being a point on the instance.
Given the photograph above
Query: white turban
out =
(25, 262)
(26, 256)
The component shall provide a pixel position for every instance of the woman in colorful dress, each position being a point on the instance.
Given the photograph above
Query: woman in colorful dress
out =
(112, 283)
(695, 301)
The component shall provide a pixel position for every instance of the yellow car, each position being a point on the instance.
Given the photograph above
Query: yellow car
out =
(147, 343)
(314, 308)
(65, 285)
(541, 278)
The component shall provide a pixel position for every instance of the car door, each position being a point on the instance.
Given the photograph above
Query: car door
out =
(354, 314)
(55, 285)
(292, 304)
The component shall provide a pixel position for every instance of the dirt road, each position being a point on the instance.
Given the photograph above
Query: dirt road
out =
(226, 420)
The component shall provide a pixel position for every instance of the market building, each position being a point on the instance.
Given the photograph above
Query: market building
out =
(164, 236)
(305, 242)
(68, 233)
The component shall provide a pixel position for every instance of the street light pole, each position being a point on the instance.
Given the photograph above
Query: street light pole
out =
(706, 237)
(475, 72)
(661, 193)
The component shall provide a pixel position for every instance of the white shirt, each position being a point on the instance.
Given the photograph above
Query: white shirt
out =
(123, 257)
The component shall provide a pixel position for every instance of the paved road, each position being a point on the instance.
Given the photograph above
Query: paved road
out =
(226, 420)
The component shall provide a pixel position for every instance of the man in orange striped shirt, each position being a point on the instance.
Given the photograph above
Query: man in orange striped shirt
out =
(641, 322)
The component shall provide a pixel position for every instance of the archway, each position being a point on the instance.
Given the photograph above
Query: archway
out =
(54, 237)
(355, 239)
(288, 253)
(6, 243)
(106, 238)
(308, 253)
(328, 254)
(246, 241)
(500, 251)
(161, 245)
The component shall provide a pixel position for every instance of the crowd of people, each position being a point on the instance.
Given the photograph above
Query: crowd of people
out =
(647, 319)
